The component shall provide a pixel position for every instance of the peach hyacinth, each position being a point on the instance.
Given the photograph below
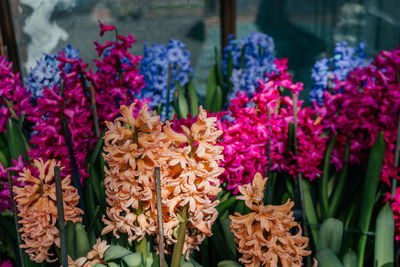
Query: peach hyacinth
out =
(188, 163)
(95, 256)
(263, 236)
(37, 207)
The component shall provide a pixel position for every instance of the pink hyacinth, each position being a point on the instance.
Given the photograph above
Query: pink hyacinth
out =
(368, 105)
(11, 91)
(5, 199)
(395, 205)
(49, 136)
(117, 79)
(6, 263)
(245, 139)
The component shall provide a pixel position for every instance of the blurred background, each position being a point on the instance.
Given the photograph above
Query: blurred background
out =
(303, 30)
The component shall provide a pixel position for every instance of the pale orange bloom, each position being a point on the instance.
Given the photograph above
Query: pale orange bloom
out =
(36, 203)
(189, 169)
(263, 236)
(96, 255)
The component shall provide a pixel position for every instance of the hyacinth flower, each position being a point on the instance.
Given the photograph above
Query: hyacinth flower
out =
(369, 104)
(157, 58)
(267, 117)
(46, 72)
(95, 256)
(188, 161)
(5, 199)
(327, 72)
(14, 99)
(69, 103)
(117, 80)
(6, 263)
(36, 205)
(252, 57)
(264, 235)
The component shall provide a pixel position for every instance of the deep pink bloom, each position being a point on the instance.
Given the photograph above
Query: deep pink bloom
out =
(5, 200)
(117, 79)
(49, 136)
(368, 105)
(11, 89)
(105, 28)
(246, 137)
(6, 263)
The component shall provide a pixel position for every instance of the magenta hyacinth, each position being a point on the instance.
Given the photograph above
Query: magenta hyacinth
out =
(6, 263)
(117, 79)
(11, 91)
(245, 139)
(52, 108)
(5, 199)
(369, 104)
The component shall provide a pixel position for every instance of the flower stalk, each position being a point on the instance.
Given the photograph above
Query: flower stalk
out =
(178, 247)
(60, 219)
(159, 218)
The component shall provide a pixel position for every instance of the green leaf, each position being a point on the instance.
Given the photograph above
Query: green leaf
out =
(112, 264)
(338, 192)
(102, 265)
(229, 264)
(384, 237)
(217, 101)
(310, 209)
(96, 150)
(330, 235)
(115, 252)
(16, 141)
(242, 57)
(228, 235)
(70, 239)
(373, 174)
(325, 177)
(94, 182)
(218, 69)
(224, 205)
(134, 259)
(229, 69)
(350, 259)
(211, 87)
(3, 159)
(182, 103)
(326, 258)
(81, 241)
(194, 101)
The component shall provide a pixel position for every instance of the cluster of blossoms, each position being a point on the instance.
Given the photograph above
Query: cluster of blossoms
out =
(157, 58)
(252, 57)
(117, 80)
(327, 72)
(95, 256)
(369, 104)
(264, 235)
(56, 105)
(36, 204)
(6, 263)
(188, 162)
(266, 117)
(5, 199)
(46, 72)
(14, 99)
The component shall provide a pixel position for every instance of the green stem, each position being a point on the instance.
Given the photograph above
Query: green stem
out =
(20, 259)
(168, 93)
(60, 215)
(141, 246)
(178, 247)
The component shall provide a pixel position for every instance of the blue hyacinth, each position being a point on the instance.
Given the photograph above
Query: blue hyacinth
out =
(258, 59)
(154, 67)
(46, 72)
(325, 71)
